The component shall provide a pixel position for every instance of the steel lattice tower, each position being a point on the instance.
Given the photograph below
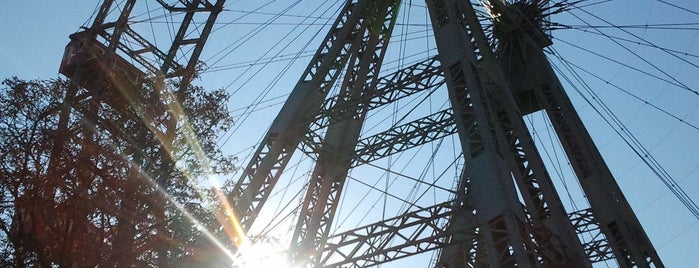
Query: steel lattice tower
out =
(506, 212)
(108, 62)
(110, 49)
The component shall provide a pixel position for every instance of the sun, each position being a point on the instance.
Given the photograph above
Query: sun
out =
(264, 252)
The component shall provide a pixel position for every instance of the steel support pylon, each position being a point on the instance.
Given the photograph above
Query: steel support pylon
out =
(507, 212)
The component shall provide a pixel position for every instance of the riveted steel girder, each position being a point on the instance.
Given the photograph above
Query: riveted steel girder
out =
(335, 153)
(263, 171)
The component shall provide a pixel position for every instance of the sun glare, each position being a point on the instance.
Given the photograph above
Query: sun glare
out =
(263, 253)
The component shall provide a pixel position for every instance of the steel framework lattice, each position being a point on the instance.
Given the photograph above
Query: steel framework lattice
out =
(506, 211)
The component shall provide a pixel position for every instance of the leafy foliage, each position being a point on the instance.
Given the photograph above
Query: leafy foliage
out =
(98, 178)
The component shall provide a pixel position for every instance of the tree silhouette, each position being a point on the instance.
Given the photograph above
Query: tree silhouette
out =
(105, 178)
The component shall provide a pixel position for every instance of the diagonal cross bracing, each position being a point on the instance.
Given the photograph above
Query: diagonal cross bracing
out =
(424, 230)
(334, 157)
(272, 156)
(422, 76)
(400, 138)
(406, 235)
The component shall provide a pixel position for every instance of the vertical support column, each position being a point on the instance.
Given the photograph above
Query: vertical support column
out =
(557, 244)
(286, 132)
(538, 87)
(335, 156)
(503, 235)
(617, 220)
(192, 8)
(102, 13)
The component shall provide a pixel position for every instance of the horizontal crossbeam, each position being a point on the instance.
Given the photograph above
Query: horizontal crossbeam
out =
(409, 234)
(425, 230)
(404, 137)
(424, 75)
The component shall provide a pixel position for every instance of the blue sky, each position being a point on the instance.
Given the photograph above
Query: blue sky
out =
(35, 33)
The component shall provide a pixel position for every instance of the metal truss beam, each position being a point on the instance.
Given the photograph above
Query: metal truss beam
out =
(597, 246)
(263, 171)
(551, 232)
(616, 219)
(406, 235)
(395, 140)
(137, 55)
(538, 87)
(427, 229)
(163, 65)
(489, 226)
(183, 38)
(504, 238)
(422, 76)
(334, 157)
(400, 138)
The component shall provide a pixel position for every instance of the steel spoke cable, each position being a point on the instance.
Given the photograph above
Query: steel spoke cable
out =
(659, 196)
(421, 181)
(93, 15)
(423, 174)
(386, 118)
(635, 36)
(601, 104)
(312, 51)
(230, 48)
(285, 57)
(170, 31)
(682, 85)
(678, 235)
(279, 42)
(273, 59)
(586, 5)
(679, 7)
(635, 145)
(627, 92)
(239, 42)
(389, 158)
(409, 105)
(441, 175)
(383, 191)
(627, 65)
(364, 197)
(271, 225)
(663, 26)
(435, 179)
(403, 35)
(152, 30)
(276, 14)
(273, 83)
(555, 164)
(387, 172)
(147, 17)
(250, 109)
(285, 189)
(683, 53)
